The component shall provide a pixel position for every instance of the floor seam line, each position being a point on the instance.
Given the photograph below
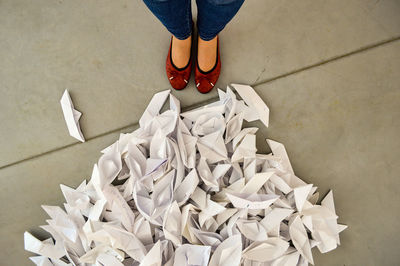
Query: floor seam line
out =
(67, 146)
(330, 60)
(97, 136)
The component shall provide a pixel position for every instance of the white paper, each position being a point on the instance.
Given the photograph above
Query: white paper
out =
(192, 255)
(71, 116)
(300, 195)
(153, 257)
(228, 253)
(251, 201)
(253, 101)
(300, 240)
(267, 250)
(279, 150)
(190, 189)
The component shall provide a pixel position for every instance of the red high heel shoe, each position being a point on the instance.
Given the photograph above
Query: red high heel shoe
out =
(178, 77)
(206, 80)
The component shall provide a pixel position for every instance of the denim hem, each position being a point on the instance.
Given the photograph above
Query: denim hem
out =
(207, 38)
(182, 37)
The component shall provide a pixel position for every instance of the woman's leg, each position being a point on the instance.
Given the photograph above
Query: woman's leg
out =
(213, 15)
(176, 16)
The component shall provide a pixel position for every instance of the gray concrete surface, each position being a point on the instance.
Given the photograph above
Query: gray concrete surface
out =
(327, 69)
(110, 55)
(340, 123)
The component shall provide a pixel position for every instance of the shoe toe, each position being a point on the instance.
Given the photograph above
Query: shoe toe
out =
(204, 85)
(178, 83)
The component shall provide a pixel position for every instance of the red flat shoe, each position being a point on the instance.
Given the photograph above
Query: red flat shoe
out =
(178, 77)
(206, 80)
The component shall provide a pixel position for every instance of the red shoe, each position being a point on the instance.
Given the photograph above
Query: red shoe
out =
(205, 81)
(178, 77)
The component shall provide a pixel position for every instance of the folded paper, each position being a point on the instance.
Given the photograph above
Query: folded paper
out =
(189, 189)
(71, 116)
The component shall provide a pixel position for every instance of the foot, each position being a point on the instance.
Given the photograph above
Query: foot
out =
(180, 51)
(207, 70)
(207, 54)
(178, 65)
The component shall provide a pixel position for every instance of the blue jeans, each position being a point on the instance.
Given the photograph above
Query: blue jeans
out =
(176, 15)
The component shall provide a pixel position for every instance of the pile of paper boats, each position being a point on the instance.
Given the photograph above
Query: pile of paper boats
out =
(190, 189)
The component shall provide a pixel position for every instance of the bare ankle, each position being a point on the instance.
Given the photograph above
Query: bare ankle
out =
(207, 53)
(181, 51)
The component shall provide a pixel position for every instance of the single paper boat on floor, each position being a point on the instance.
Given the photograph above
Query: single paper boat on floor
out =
(71, 117)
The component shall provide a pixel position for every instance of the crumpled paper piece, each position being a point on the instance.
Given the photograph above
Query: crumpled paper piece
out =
(190, 189)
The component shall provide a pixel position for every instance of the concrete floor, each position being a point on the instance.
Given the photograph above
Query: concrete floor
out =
(327, 69)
